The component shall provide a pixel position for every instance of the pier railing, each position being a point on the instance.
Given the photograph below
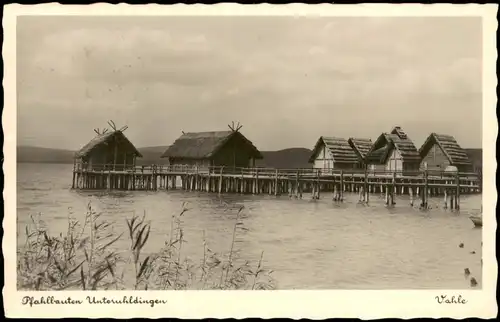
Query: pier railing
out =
(271, 172)
(146, 169)
(316, 172)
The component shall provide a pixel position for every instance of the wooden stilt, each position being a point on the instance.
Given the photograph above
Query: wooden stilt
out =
(393, 188)
(74, 173)
(318, 192)
(297, 184)
(341, 185)
(365, 187)
(300, 187)
(425, 191)
(220, 182)
(257, 182)
(276, 188)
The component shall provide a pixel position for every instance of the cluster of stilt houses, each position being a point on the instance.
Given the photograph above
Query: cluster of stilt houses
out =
(224, 161)
(390, 152)
(393, 151)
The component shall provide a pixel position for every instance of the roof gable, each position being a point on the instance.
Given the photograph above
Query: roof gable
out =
(360, 146)
(406, 148)
(386, 142)
(105, 138)
(447, 143)
(203, 145)
(378, 149)
(338, 148)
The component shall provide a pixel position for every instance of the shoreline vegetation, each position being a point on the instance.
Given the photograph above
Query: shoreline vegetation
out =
(83, 258)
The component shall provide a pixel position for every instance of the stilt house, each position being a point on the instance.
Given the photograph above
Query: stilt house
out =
(108, 150)
(202, 150)
(440, 151)
(334, 153)
(393, 151)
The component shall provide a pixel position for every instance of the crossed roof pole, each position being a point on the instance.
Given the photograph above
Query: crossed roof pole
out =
(113, 126)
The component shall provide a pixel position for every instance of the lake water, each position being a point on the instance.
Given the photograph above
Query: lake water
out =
(309, 244)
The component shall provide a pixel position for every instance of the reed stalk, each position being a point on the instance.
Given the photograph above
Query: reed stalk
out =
(230, 255)
(84, 257)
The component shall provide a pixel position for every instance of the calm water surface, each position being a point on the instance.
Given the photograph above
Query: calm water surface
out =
(308, 244)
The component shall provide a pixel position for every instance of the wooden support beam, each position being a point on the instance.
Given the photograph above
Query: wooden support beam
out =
(365, 187)
(341, 185)
(220, 181)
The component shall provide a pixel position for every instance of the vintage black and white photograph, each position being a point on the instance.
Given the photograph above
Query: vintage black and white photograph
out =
(249, 152)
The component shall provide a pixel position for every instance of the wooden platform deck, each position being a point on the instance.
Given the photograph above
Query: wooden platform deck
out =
(293, 182)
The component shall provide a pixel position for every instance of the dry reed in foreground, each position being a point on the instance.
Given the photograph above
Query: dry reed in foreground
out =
(84, 258)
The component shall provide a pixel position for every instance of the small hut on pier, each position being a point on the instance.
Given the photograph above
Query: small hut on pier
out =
(334, 153)
(230, 149)
(440, 151)
(107, 151)
(361, 147)
(393, 151)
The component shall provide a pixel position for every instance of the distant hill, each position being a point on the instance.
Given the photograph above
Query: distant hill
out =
(288, 158)
(31, 154)
(152, 155)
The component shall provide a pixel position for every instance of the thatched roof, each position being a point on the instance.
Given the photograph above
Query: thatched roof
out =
(339, 149)
(386, 142)
(360, 146)
(375, 156)
(406, 148)
(104, 139)
(455, 154)
(204, 145)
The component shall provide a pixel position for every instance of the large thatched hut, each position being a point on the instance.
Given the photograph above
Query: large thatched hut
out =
(219, 148)
(108, 151)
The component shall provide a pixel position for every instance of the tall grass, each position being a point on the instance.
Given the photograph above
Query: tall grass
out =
(85, 257)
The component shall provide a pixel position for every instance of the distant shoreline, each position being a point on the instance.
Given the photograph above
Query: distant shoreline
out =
(285, 158)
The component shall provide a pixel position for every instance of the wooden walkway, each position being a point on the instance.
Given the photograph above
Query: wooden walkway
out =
(293, 182)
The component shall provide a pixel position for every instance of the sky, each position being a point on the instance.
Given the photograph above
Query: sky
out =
(287, 80)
